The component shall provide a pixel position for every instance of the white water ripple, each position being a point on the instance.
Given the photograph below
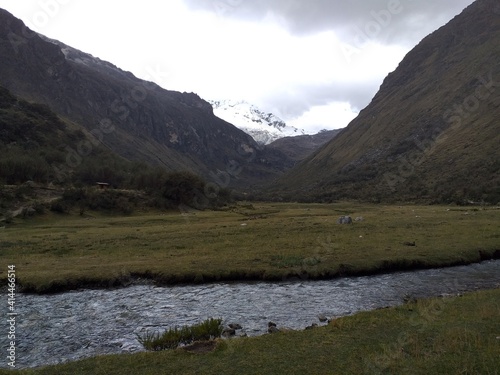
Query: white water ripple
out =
(68, 326)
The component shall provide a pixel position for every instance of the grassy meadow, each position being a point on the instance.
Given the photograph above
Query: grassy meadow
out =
(459, 335)
(258, 241)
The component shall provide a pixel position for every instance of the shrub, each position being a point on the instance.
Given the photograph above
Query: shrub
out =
(9, 218)
(23, 191)
(20, 167)
(112, 200)
(171, 339)
(39, 208)
(123, 205)
(58, 206)
(183, 188)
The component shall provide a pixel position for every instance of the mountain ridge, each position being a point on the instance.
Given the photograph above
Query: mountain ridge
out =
(175, 130)
(401, 145)
(299, 147)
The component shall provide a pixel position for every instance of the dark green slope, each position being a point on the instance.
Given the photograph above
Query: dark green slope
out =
(47, 162)
(36, 145)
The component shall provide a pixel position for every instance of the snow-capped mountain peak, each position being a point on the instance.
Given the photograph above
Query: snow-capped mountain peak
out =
(263, 127)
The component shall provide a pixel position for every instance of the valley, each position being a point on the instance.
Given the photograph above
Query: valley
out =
(111, 183)
(244, 241)
(290, 247)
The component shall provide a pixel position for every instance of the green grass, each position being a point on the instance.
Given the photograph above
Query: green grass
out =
(434, 336)
(265, 242)
(173, 337)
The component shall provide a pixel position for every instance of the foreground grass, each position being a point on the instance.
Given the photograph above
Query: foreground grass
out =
(458, 335)
(264, 241)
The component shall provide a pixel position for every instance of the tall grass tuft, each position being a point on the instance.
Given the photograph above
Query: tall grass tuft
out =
(173, 337)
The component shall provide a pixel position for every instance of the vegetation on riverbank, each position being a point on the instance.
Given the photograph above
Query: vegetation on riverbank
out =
(459, 335)
(173, 337)
(57, 252)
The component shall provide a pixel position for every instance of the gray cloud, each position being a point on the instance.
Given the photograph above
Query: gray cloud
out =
(387, 21)
(295, 101)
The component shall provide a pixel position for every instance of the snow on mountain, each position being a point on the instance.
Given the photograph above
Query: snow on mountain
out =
(263, 127)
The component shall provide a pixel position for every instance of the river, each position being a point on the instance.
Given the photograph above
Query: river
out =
(57, 328)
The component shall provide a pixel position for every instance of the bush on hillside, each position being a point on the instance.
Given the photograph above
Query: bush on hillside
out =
(183, 188)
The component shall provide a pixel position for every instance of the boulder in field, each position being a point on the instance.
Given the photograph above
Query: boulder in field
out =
(344, 220)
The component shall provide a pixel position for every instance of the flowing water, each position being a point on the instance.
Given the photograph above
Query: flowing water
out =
(57, 328)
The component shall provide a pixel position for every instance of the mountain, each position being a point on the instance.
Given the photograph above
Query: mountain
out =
(38, 146)
(432, 132)
(299, 147)
(138, 120)
(48, 163)
(263, 127)
(33, 140)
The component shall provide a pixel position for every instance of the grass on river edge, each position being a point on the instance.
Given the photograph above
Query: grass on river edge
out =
(274, 242)
(459, 335)
(264, 241)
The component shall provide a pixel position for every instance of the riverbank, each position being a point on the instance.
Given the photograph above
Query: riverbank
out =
(247, 242)
(429, 336)
(82, 324)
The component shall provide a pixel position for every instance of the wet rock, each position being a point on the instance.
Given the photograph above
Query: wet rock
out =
(273, 329)
(344, 220)
(235, 326)
(408, 298)
(312, 326)
(228, 332)
(322, 318)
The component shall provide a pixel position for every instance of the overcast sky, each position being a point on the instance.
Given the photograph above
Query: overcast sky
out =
(315, 63)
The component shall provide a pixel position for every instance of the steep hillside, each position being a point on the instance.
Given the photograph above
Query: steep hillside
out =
(48, 163)
(431, 132)
(136, 119)
(299, 147)
(38, 146)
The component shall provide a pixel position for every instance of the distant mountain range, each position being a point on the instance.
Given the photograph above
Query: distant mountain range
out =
(299, 147)
(268, 129)
(432, 132)
(264, 127)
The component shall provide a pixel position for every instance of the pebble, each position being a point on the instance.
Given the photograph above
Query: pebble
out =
(322, 318)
